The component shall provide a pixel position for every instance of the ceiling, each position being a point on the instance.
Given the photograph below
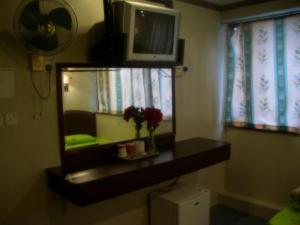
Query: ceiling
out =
(223, 5)
(223, 2)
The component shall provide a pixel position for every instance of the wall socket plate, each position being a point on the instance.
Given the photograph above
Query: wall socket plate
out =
(11, 119)
(37, 63)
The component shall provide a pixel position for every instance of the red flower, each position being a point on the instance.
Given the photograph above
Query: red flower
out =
(138, 117)
(128, 113)
(134, 112)
(153, 116)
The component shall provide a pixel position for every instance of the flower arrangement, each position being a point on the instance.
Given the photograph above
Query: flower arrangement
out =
(138, 117)
(153, 116)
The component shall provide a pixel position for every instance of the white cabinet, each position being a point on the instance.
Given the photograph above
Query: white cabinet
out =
(182, 205)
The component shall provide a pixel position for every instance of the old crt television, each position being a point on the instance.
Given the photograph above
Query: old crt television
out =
(151, 30)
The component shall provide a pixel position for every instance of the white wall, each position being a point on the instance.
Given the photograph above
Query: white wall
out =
(82, 92)
(198, 93)
(264, 167)
(32, 146)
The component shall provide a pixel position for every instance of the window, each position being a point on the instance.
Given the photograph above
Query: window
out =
(263, 75)
(141, 87)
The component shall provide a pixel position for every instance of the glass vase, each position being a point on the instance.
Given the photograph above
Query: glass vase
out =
(138, 128)
(151, 143)
(137, 134)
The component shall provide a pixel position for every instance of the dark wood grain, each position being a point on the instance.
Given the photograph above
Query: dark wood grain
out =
(117, 177)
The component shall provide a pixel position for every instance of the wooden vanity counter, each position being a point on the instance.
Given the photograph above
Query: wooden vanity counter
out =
(118, 177)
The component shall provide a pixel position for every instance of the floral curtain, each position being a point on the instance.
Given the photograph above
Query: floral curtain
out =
(140, 87)
(263, 74)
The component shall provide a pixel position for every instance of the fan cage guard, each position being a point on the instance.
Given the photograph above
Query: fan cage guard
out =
(24, 35)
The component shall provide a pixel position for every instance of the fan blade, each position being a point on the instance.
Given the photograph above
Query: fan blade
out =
(61, 17)
(45, 43)
(30, 15)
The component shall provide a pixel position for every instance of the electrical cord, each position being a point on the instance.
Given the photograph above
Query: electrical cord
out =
(37, 90)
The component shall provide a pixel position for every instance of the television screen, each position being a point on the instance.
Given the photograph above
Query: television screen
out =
(153, 32)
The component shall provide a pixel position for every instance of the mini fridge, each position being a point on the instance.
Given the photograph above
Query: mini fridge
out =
(182, 205)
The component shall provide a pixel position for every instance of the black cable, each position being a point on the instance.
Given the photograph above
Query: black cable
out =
(170, 186)
(37, 90)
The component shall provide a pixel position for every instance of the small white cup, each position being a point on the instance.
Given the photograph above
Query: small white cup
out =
(140, 147)
(122, 153)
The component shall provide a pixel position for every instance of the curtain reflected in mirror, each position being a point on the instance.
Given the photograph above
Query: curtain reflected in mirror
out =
(94, 100)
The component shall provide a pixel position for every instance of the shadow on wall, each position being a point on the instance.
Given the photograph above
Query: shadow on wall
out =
(96, 33)
(61, 212)
(103, 212)
(126, 209)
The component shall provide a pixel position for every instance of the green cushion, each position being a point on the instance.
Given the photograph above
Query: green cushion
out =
(76, 139)
(99, 141)
(287, 216)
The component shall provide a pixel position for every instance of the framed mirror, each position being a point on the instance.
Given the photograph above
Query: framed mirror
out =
(92, 100)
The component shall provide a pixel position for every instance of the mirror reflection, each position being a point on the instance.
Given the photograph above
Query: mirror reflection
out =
(94, 100)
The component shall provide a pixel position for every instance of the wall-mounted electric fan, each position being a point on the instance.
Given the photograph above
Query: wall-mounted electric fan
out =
(45, 27)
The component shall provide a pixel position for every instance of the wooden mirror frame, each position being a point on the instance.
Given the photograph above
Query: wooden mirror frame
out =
(91, 156)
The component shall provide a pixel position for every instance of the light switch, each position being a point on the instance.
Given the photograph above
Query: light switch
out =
(1, 120)
(11, 119)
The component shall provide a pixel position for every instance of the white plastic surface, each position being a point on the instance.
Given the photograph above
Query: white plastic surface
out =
(183, 205)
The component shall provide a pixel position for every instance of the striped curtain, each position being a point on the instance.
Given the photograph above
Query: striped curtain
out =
(263, 75)
(140, 87)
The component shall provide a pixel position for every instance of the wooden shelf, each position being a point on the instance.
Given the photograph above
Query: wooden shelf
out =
(117, 177)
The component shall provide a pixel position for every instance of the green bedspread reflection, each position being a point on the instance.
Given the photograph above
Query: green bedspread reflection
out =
(82, 140)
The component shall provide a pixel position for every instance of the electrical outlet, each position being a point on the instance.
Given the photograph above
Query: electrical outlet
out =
(180, 71)
(37, 63)
(11, 119)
